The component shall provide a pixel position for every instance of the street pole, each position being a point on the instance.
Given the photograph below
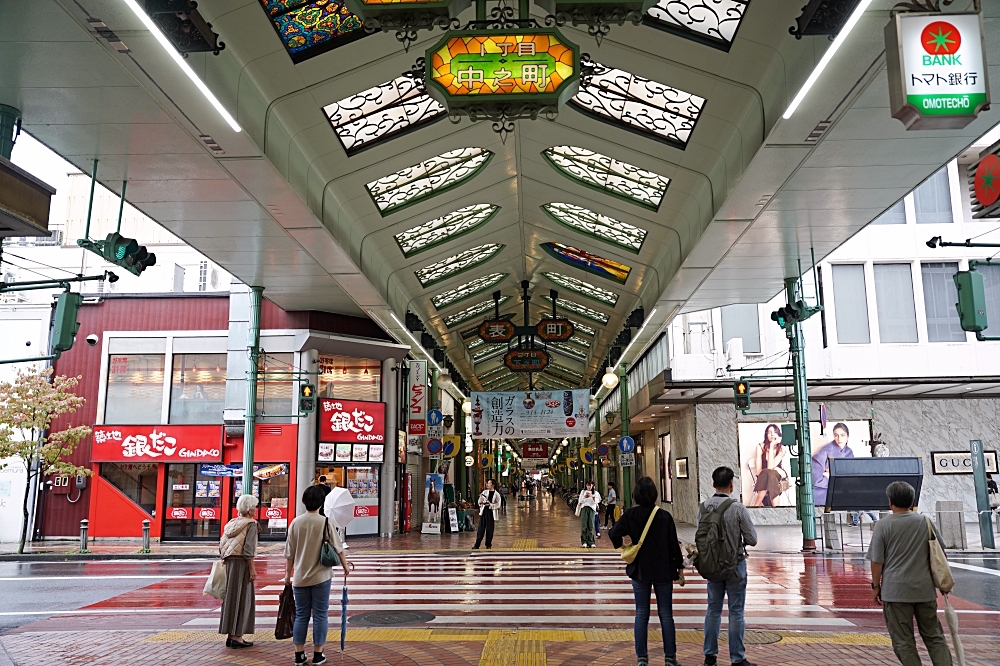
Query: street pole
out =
(796, 344)
(626, 471)
(250, 415)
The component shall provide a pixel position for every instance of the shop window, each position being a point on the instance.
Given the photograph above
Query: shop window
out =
(932, 200)
(350, 378)
(136, 480)
(940, 296)
(740, 321)
(198, 388)
(276, 387)
(135, 389)
(897, 319)
(851, 302)
(894, 215)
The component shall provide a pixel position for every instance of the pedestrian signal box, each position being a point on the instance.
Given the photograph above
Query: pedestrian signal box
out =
(307, 399)
(64, 324)
(741, 395)
(971, 304)
(788, 434)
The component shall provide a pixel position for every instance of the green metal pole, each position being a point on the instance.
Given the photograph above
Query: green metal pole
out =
(90, 205)
(807, 510)
(121, 207)
(10, 124)
(523, 13)
(480, 10)
(626, 471)
(250, 421)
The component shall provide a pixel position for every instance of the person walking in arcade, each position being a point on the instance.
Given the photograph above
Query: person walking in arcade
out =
(586, 508)
(489, 505)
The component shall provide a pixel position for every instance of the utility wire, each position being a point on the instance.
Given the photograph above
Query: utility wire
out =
(55, 268)
(25, 268)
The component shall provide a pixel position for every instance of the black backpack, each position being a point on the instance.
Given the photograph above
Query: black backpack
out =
(716, 558)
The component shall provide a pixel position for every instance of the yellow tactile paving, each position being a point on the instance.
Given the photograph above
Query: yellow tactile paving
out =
(525, 544)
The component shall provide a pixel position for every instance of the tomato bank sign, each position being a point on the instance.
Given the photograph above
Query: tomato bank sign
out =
(937, 72)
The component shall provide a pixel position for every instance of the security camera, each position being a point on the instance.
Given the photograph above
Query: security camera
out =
(92, 340)
(933, 243)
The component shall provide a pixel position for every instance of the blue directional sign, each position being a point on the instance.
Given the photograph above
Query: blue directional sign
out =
(626, 444)
(434, 417)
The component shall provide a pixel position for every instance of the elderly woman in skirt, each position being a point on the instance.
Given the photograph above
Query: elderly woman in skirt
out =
(237, 549)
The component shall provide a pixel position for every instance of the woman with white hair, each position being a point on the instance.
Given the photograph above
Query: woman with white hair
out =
(237, 549)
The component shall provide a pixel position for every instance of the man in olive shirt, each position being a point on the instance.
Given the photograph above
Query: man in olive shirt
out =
(901, 579)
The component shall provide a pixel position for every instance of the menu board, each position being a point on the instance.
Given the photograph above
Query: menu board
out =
(345, 453)
(530, 414)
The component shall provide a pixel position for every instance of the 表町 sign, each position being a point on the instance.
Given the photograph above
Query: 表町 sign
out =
(937, 71)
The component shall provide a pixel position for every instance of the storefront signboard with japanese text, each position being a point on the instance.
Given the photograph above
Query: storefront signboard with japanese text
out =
(535, 450)
(416, 396)
(937, 71)
(351, 421)
(530, 414)
(157, 443)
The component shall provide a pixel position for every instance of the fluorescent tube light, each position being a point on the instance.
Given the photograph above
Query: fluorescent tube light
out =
(172, 52)
(827, 57)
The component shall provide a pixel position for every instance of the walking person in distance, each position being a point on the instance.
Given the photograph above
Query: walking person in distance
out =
(656, 566)
(724, 531)
(237, 548)
(489, 505)
(310, 579)
(902, 581)
(586, 508)
(612, 503)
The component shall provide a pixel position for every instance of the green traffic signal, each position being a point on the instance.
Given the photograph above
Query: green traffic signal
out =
(127, 253)
(64, 325)
(971, 303)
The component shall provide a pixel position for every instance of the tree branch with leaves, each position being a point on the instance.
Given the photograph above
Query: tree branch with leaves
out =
(28, 406)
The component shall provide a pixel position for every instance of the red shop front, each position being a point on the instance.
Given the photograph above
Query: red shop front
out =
(185, 479)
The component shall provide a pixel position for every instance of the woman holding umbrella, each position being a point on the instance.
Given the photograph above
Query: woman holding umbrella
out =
(310, 580)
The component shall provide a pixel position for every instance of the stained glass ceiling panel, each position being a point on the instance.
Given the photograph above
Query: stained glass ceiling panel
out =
(495, 373)
(639, 104)
(586, 261)
(586, 289)
(444, 228)
(579, 309)
(566, 350)
(467, 290)
(709, 21)
(381, 113)
(566, 371)
(422, 181)
(308, 29)
(484, 355)
(470, 312)
(580, 328)
(457, 263)
(609, 175)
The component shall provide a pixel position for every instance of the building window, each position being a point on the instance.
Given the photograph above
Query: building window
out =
(203, 276)
(136, 480)
(135, 389)
(991, 281)
(940, 296)
(895, 215)
(851, 301)
(350, 378)
(198, 388)
(932, 200)
(276, 387)
(897, 318)
(740, 321)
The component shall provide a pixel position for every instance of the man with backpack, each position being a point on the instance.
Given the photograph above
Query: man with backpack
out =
(724, 531)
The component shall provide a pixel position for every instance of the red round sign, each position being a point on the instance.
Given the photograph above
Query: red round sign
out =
(940, 38)
(987, 182)
(434, 446)
(570, 422)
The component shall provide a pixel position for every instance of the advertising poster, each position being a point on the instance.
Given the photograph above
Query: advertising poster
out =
(530, 414)
(417, 398)
(765, 463)
(433, 495)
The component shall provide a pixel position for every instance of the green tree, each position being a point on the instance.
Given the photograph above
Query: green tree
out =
(28, 405)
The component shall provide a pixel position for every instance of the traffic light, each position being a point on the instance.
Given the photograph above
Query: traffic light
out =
(741, 395)
(971, 304)
(792, 313)
(127, 253)
(307, 399)
(65, 326)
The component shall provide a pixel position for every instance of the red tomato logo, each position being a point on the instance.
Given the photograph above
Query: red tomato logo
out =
(987, 181)
(940, 38)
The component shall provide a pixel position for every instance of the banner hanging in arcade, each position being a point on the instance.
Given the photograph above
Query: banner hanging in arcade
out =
(530, 414)
(417, 396)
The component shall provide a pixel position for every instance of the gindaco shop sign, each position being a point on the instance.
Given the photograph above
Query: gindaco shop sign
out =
(157, 443)
(937, 70)
(351, 421)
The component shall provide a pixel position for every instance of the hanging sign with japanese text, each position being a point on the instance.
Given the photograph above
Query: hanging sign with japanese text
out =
(531, 414)
(937, 71)
(526, 360)
(417, 397)
(555, 330)
(535, 450)
(351, 421)
(471, 67)
(493, 330)
(157, 443)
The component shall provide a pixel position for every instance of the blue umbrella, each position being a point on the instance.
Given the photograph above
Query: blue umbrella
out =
(343, 616)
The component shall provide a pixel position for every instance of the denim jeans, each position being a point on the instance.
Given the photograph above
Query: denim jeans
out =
(664, 608)
(597, 522)
(735, 587)
(315, 600)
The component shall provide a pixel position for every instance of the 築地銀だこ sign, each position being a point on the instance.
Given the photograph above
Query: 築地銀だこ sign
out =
(157, 443)
(351, 421)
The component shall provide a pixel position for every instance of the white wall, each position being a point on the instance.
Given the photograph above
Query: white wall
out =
(12, 480)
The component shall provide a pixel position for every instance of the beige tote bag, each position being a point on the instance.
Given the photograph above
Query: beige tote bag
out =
(940, 571)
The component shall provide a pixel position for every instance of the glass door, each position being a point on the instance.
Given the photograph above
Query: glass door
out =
(270, 487)
(193, 508)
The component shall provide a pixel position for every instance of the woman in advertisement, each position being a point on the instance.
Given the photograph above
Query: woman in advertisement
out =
(237, 548)
(769, 468)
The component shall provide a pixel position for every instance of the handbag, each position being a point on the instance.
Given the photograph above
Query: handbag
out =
(940, 571)
(215, 586)
(286, 614)
(630, 552)
(994, 500)
(327, 553)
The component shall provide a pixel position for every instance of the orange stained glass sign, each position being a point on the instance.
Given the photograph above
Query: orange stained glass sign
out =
(502, 64)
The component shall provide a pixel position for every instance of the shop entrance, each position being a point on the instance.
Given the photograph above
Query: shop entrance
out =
(270, 487)
(193, 508)
(362, 481)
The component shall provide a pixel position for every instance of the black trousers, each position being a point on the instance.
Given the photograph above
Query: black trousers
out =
(609, 515)
(485, 528)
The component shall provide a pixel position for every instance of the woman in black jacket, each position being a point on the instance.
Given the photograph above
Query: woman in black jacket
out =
(657, 566)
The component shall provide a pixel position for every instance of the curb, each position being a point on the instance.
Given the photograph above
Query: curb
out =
(76, 557)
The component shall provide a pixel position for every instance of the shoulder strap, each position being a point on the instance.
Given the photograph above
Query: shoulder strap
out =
(930, 529)
(725, 505)
(648, 523)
